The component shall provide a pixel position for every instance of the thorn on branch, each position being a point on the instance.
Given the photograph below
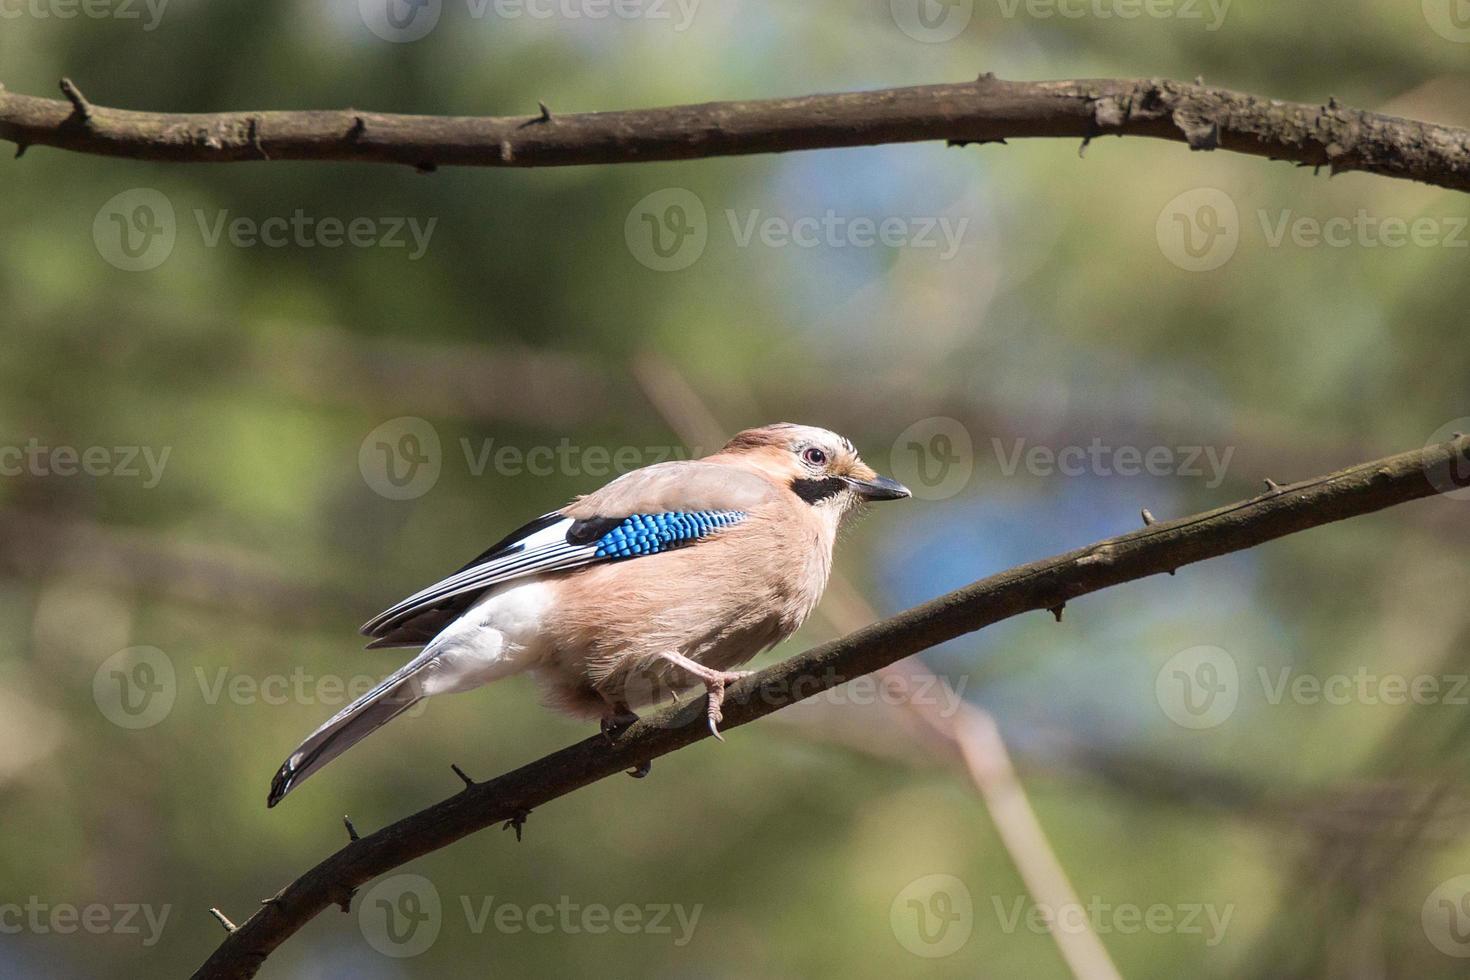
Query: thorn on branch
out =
(468, 782)
(1148, 518)
(351, 830)
(545, 112)
(1057, 610)
(341, 896)
(1272, 486)
(223, 920)
(81, 109)
(20, 149)
(517, 822)
(1082, 150)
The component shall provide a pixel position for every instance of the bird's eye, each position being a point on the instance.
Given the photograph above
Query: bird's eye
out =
(814, 456)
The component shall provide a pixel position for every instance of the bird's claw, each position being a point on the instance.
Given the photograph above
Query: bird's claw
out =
(642, 769)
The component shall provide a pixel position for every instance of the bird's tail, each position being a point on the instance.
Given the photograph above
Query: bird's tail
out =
(396, 694)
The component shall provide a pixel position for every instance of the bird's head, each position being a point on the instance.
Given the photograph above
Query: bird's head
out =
(821, 467)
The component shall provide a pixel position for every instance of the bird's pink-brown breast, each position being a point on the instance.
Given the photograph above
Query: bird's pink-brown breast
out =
(719, 601)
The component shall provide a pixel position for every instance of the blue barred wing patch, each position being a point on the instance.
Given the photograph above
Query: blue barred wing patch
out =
(649, 534)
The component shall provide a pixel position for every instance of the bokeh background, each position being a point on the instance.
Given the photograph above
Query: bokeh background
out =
(285, 439)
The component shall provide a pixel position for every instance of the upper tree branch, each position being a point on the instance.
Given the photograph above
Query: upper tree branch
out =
(985, 110)
(1048, 584)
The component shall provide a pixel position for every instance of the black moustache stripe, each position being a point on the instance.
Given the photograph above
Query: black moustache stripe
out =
(815, 491)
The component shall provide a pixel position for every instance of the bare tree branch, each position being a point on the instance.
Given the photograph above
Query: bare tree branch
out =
(1042, 585)
(987, 110)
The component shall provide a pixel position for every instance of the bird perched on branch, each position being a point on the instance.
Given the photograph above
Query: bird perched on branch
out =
(665, 579)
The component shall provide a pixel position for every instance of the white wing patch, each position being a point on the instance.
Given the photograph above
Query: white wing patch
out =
(545, 550)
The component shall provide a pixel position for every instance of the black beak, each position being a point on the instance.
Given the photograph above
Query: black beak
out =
(879, 488)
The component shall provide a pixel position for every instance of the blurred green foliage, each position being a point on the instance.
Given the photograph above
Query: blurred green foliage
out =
(530, 319)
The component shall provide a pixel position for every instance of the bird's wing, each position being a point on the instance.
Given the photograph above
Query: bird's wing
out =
(653, 509)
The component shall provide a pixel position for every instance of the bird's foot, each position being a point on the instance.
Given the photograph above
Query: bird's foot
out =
(613, 725)
(714, 682)
(617, 722)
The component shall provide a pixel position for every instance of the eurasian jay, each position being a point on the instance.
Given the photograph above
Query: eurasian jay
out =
(664, 579)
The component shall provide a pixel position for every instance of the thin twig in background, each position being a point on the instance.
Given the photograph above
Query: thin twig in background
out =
(987, 110)
(1041, 585)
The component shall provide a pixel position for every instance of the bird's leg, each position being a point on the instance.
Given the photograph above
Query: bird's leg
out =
(714, 682)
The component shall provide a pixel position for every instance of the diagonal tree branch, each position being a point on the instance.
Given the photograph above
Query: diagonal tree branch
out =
(987, 110)
(1047, 584)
